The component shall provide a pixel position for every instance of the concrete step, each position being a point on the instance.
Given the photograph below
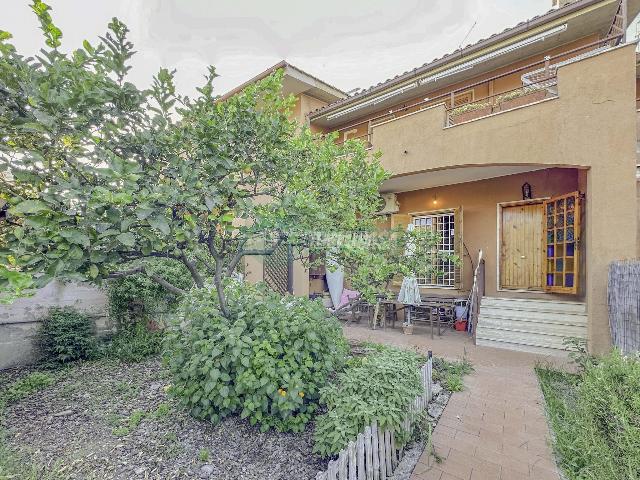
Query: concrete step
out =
(530, 325)
(524, 326)
(550, 306)
(546, 317)
(522, 348)
(521, 338)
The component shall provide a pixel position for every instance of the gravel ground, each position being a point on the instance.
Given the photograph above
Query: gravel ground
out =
(108, 420)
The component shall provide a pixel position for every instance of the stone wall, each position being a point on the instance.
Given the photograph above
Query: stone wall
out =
(19, 320)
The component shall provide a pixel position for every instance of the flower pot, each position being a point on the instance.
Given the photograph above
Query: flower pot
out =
(525, 99)
(470, 115)
(407, 329)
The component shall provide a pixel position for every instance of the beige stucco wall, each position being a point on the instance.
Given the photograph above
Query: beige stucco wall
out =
(479, 202)
(591, 125)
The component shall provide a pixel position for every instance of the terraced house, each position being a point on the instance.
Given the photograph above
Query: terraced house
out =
(522, 146)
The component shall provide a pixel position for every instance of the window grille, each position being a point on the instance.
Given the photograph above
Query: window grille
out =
(446, 272)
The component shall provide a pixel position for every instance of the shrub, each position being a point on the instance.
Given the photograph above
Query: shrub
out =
(268, 362)
(66, 335)
(132, 299)
(134, 343)
(378, 386)
(596, 418)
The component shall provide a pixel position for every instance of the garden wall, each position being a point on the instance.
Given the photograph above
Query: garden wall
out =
(19, 320)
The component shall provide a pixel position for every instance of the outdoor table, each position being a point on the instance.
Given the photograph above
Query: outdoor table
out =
(433, 308)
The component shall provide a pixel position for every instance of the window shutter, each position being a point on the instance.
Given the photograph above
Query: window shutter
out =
(458, 247)
(562, 243)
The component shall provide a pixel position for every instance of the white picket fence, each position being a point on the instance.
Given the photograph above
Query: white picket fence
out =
(374, 455)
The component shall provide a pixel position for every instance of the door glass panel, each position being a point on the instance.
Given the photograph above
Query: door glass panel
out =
(562, 232)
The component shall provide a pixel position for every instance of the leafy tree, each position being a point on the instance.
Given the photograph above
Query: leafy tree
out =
(98, 173)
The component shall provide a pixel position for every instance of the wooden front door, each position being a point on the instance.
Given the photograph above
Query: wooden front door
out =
(521, 264)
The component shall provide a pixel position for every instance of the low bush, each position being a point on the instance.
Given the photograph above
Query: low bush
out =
(132, 299)
(377, 386)
(65, 335)
(266, 362)
(595, 416)
(134, 343)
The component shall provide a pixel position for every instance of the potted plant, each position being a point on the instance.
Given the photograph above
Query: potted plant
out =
(407, 328)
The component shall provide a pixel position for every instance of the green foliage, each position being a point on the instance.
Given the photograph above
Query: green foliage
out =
(65, 335)
(134, 298)
(267, 362)
(450, 373)
(134, 343)
(378, 386)
(98, 173)
(203, 455)
(595, 416)
(25, 386)
(372, 261)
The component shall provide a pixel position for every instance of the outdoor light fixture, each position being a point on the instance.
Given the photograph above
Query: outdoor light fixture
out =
(526, 191)
(510, 48)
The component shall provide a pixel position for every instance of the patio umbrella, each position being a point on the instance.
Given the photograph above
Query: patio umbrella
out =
(409, 290)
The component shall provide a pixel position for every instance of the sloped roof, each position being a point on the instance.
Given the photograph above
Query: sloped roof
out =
(459, 53)
(283, 64)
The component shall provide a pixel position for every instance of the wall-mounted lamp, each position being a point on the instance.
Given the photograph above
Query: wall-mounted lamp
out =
(526, 191)
(435, 198)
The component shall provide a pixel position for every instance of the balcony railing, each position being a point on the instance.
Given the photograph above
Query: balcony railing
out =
(539, 82)
(515, 98)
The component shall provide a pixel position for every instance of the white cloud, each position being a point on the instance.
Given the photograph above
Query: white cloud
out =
(353, 43)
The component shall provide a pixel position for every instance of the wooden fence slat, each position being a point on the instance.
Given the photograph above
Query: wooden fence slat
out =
(368, 445)
(351, 460)
(387, 452)
(382, 453)
(394, 451)
(374, 455)
(360, 456)
(332, 471)
(376, 452)
(342, 465)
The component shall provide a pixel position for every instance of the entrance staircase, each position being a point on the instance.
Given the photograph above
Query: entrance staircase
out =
(535, 326)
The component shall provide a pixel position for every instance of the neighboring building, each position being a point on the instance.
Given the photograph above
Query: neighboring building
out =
(279, 270)
(522, 145)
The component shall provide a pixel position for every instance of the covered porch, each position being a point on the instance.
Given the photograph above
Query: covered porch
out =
(517, 230)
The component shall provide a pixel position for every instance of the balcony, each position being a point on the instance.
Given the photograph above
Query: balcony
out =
(538, 82)
(573, 113)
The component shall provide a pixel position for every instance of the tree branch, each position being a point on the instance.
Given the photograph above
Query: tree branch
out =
(197, 278)
(156, 278)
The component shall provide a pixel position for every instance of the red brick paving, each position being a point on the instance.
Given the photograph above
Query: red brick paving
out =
(495, 429)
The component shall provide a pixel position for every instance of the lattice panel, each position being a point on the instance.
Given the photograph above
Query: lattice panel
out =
(276, 269)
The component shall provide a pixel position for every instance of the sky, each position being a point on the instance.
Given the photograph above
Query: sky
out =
(347, 43)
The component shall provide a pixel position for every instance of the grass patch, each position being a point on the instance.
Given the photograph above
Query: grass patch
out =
(203, 455)
(595, 416)
(450, 374)
(136, 417)
(25, 386)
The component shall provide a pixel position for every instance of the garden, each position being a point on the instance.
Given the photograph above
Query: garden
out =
(594, 414)
(275, 396)
(159, 199)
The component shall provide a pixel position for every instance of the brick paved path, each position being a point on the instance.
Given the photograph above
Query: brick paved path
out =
(494, 429)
